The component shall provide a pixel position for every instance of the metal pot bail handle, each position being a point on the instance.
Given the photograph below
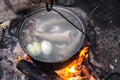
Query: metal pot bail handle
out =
(49, 4)
(92, 35)
(14, 27)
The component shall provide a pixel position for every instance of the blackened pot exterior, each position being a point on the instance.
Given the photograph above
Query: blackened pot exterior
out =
(49, 67)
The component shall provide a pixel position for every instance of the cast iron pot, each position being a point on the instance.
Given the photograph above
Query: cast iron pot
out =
(51, 21)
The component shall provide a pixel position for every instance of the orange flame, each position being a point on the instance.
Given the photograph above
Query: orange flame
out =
(71, 72)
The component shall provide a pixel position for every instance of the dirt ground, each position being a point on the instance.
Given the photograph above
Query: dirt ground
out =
(106, 17)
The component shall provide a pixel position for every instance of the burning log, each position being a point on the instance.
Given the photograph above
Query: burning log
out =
(85, 71)
(30, 70)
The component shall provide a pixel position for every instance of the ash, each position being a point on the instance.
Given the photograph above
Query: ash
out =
(8, 60)
(8, 64)
(9, 52)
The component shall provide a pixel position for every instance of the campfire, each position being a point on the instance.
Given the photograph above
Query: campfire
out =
(75, 69)
(73, 51)
(78, 69)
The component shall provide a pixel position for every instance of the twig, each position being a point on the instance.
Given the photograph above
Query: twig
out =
(89, 16)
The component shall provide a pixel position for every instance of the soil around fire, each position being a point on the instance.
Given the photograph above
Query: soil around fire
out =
(106, 19)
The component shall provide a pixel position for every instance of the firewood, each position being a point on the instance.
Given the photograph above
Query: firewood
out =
(31, 71)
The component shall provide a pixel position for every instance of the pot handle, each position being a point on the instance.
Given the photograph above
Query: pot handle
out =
(92, 35)
(49, 4)
(14, 27)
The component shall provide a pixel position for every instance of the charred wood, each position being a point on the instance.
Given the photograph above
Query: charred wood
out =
(30, 70)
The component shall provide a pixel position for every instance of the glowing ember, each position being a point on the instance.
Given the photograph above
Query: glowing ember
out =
(19, 58)
(74, 70)
(26, 57)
